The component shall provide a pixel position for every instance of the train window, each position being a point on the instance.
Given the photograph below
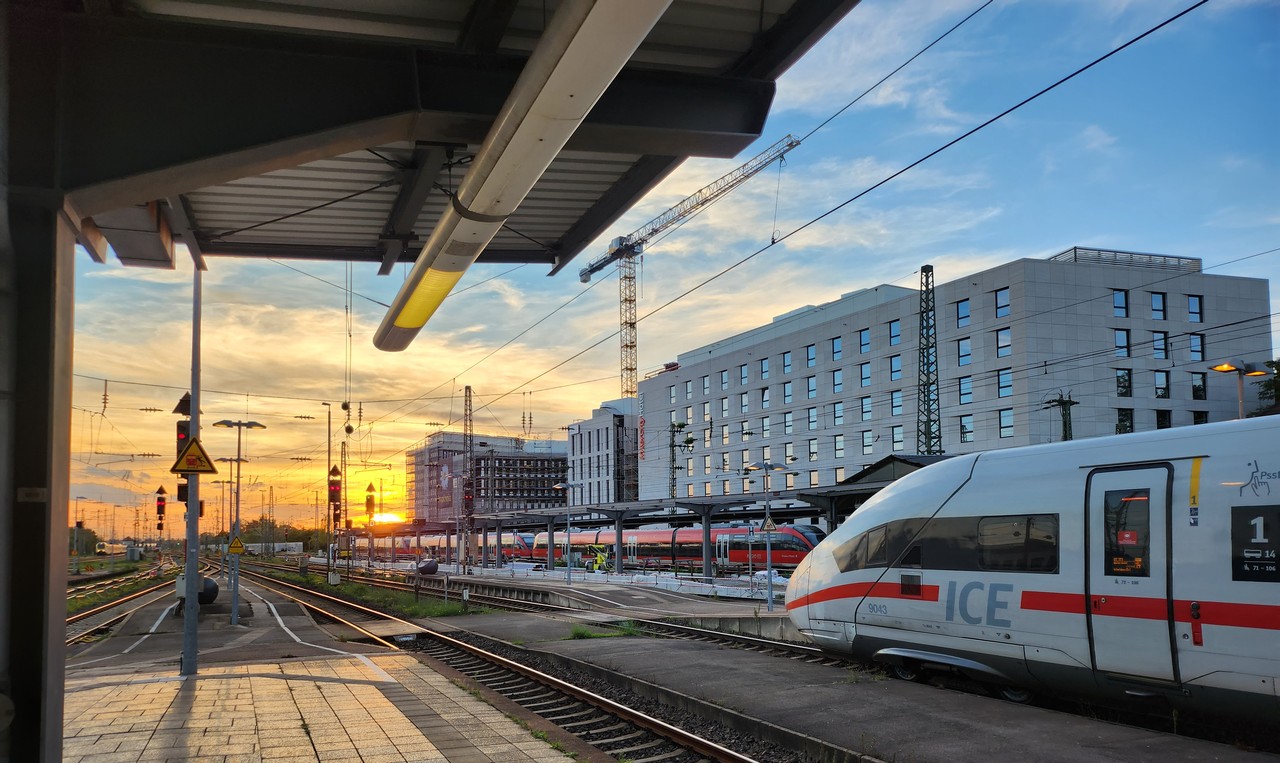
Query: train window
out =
(849, 555)
(1127, 516)
(913, 558)
(1019, 543)
(877, 553)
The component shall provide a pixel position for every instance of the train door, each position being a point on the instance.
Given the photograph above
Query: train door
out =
(1127, 585)
(722, 550)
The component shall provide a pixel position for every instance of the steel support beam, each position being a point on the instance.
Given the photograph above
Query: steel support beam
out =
(415, 185)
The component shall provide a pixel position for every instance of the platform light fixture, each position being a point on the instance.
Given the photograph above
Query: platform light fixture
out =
(1241, 369)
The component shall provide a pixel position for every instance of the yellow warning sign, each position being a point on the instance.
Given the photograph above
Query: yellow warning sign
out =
(236, 546)
(768, 526)
(193, 460)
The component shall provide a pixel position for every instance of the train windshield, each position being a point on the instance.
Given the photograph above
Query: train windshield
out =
(812, 533)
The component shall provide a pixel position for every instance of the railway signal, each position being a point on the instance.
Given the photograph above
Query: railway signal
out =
(183, 433)
(335, 495)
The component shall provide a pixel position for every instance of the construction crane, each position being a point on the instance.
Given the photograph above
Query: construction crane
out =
(624, 249)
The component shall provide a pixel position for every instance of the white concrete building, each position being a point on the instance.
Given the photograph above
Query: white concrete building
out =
(602, 455)
(828, 390)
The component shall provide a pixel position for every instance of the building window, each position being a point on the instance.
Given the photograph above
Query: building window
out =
(868, 442)
(1004, 343)
(1120, 303)
(962, 313)
(963, 353)
(764, 398)
(1198, 389)
(1002, 302)
(724, 380)
(1124, 420)
(864, 374)
(688, 490)
(746, 485)
(688, 414)
(724, 407)
(706, 411)
(786, 362)
(743, 375)
(745, 431)
(706, 464)
(1160, 345)
(839, 474)
(1122, 343)
(812, 414)
(811, 387)
(895, 367)
(791, 481)
(764, 426)
(1124, 382)
(837, 413)
(895, 403)
(895, 332)
(1004, 382)
(864, 341)
(764, 453)
(1199, 417)
(744, 402)
(788, 422)
(671, 392)
(1164, 419)
(1162, 384)
(1197, 347)
(1195, 308)
(764, 368)
(788, 453)
(786, 392)
(866, 408)
(724, 487)
(744, 457)
(837, 380)
(706, 488)
(810, 355)
(706, 385)
(1158, 312)
(688, 466)
(965, 386)
(966, 428)
(837, 446)
(896, 431)
(706, 437)
(813, 449)
(836, 348)
(1006, 422)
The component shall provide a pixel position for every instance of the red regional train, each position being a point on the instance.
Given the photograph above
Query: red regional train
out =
(734, 547)
(1139, 565)
(514, 546)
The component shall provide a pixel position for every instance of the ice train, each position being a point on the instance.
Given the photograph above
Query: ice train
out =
(1142, 565)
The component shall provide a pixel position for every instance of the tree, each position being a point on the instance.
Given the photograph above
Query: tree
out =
(1267, 387)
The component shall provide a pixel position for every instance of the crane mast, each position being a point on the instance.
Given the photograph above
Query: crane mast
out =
(624, 249)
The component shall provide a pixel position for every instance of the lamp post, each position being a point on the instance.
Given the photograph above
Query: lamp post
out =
(1241, 370)
(768, 526)
(568, 531)
(240, 426)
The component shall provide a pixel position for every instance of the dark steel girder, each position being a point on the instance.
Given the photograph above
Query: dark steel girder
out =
(415, 185)
(246, 102)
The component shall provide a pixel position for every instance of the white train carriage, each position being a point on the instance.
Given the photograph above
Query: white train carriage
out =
(1143, 564)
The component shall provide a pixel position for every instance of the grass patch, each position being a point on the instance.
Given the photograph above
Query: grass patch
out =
(582, 631)
(81, 603)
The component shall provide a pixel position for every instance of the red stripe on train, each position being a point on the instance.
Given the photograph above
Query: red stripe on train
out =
(859, 590)
(1265, 616)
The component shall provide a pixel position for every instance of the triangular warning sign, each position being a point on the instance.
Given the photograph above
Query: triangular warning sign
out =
(236, 546)
(768, 526)
(193, 460)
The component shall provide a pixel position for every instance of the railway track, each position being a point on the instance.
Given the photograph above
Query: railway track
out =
(609, 725)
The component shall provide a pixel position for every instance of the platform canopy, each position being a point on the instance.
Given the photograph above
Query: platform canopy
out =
(340, 130)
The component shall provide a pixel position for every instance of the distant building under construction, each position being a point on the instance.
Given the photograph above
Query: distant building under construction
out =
(507, 474)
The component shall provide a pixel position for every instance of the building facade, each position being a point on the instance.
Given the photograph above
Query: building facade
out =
(507, 474)
(1122, 341)
(602, 455)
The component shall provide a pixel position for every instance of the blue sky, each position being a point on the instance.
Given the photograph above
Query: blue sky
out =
(1168, 147)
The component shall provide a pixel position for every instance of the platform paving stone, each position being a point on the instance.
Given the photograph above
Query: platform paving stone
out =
(374, 709)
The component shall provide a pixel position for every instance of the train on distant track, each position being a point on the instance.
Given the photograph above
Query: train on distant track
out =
(1139, 565)
(735, 548)
(106, 549)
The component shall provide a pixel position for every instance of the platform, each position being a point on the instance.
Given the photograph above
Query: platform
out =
(276, 688)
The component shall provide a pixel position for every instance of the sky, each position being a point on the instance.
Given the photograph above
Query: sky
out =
(1168, 147)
